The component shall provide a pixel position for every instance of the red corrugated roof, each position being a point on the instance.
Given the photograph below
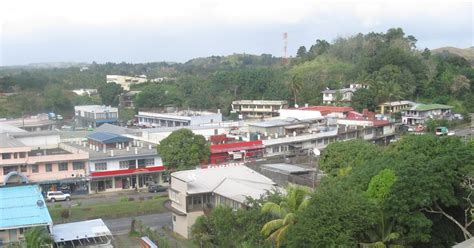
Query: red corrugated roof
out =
(126, 171)
(237, 146)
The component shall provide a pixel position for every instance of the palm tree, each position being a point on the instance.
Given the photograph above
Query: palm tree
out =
(285, 212)
(38, 237)
(382, 235)
(295, 86)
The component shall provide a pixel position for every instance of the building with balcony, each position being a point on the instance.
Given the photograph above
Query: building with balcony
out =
(119, 162)
(126, 81)
(92, 116)
(343, 95)
(178, 118)
(420, 113)
(194, 191)
(258, 108)
(21, 207)
(127, 98)
(53, 166)
(394, 107)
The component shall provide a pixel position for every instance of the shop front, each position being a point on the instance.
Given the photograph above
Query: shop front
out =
(125, 179)
(70, 186)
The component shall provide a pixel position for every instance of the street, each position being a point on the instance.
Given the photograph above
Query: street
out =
(122, 225)
(92, 199)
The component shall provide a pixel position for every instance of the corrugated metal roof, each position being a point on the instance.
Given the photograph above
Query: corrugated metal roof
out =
(80, 230)
(20, 206)
(107, 138)
(6, 141)
(206, 180)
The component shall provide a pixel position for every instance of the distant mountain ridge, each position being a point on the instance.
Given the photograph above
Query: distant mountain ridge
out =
(467, 53)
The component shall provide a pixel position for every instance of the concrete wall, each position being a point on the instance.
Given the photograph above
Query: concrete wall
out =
(46, 141)
(115, 164)
(204, 119)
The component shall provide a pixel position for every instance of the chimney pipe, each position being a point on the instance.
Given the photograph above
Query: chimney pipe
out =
(111, 153)
(136, 150)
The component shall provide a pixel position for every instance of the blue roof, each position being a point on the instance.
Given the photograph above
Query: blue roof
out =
(19, 207)
(108, 138)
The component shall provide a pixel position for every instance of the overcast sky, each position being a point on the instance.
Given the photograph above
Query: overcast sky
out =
(34, 31)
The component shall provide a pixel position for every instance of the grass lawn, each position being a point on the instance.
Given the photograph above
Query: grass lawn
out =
(110, 210)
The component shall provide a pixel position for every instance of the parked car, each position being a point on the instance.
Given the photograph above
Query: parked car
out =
(156, 188)
(53, 196)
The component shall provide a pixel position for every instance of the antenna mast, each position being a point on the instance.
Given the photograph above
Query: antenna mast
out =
(285, 50)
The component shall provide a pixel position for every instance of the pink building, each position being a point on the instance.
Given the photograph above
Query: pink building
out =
(53, 167)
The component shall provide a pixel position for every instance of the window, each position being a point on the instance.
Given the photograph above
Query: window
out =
(79, 165)
(6, 155)
(124, 164)
(23, 168)
(15, 155)
(275, 149)
(22, 154)
(174, 196)
(100, 166)
(150, 162)
(34, 168)
(49, 167)
(368, 131)
(62, 167)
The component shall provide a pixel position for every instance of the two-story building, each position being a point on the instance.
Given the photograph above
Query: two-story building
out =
(258, 108)
(119, 162)
(394, 107)
(38, 158)
(343, 95)
(127, 99)
(126, 81)
(92, 116)
(194, 191)
(420, 113)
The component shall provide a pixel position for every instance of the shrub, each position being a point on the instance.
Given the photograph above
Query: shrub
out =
(57, 205)
(124, 199)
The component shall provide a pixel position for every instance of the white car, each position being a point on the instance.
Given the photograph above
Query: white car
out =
(53, 196)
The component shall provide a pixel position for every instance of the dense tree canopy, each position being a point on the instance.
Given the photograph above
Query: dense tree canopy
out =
(183, 149)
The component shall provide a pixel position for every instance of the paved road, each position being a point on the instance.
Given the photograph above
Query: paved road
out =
(465, 132)
(92, 199)
(154, 221)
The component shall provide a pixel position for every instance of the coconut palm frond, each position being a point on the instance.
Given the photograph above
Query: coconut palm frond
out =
(273, 208)
(271, 226)
(289, 219)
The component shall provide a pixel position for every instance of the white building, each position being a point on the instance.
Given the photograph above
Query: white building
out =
(258, 108)
(177, 119)
(331, 96)
(84, 92)
(94, 115)
(126, 81)
(193, 191)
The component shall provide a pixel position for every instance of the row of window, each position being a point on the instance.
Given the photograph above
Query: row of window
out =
(14, 155)
(127, 164)
(64, 166)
